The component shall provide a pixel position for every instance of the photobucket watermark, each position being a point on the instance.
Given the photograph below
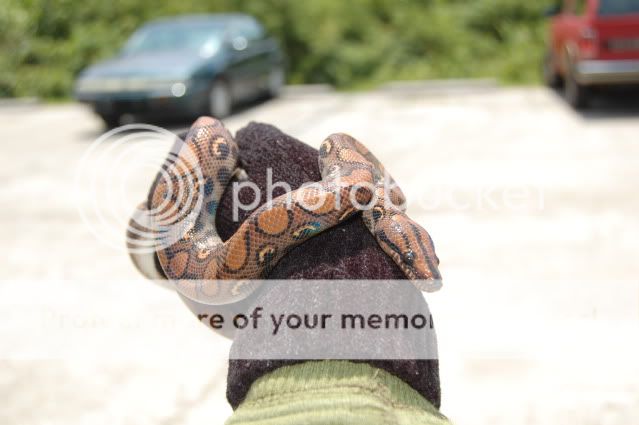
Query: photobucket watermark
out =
(483, 198)
(116, 173)
(111, 177)
(328, 194)
(494, 198)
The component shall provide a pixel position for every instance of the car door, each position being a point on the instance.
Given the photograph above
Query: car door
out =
(247, 58)
(265, 55)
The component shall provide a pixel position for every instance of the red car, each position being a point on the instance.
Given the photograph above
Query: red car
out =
(593, 43)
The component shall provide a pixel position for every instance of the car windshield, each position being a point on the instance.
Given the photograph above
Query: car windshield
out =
(204, 39)
(618, 7)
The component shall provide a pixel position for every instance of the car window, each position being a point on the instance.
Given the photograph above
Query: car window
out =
(250, 29)
(166, 37)
(618, 7)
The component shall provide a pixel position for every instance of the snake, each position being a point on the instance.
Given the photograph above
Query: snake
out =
(199, 261)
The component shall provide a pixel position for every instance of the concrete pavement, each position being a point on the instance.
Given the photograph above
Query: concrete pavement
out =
(532, 206)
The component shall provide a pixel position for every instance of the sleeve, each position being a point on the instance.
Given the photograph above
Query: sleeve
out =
(334, 392)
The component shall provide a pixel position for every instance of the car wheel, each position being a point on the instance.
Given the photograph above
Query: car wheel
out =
(110, 120)
(276, 80)
(551, 77)
(576, 95)
(220, 100)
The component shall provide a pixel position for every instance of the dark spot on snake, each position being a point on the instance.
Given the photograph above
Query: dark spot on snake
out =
(203, 254)
(221, 150)
(198, 148)
(425, 251)
(266, 254)
(306, 230)
(377, 213)
(223, 175)
(364, 195)
(208, 187)
(381, 236)
(409, 257)
(325, 148)
(199, 225)
(211, 207)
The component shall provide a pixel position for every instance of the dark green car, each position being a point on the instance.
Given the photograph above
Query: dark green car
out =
(184, 67)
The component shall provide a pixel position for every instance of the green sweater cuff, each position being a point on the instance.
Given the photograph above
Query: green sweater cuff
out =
(333, 392)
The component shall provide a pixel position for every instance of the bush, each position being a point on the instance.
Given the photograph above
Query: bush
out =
(45, 43)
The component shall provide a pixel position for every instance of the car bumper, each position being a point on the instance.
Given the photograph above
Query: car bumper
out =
(192, 102)
(600, 72)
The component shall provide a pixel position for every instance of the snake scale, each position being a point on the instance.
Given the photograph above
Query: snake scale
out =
(352, 180)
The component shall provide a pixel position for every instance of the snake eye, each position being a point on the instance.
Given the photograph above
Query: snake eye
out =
(409, 257)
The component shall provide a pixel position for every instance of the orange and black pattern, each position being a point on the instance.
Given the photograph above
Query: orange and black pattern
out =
(352, 180)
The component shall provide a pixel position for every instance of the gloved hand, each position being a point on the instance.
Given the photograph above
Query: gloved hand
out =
(346, 251)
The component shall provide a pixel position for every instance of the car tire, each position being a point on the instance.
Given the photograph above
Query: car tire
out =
(551, 77)
(220, 101)
(276, 80)
(577, 95)
(110, 120)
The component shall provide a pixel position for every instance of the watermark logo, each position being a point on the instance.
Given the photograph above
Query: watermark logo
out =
(114, 175)
(118, 168)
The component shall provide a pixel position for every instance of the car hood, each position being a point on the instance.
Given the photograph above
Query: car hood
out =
(178, 64)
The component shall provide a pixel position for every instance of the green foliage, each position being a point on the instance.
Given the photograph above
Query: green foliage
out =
(45, 43)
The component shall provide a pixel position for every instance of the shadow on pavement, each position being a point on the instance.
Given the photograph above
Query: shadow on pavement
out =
(176, 125)
(180, 124)
(611, 103)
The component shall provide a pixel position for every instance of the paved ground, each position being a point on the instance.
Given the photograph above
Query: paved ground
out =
(533, 208)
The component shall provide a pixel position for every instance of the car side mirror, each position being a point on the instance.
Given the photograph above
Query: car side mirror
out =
(553, 10)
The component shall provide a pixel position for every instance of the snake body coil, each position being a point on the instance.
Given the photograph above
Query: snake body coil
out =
(352, 180)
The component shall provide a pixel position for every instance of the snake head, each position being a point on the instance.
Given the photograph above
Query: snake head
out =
(410, 246)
